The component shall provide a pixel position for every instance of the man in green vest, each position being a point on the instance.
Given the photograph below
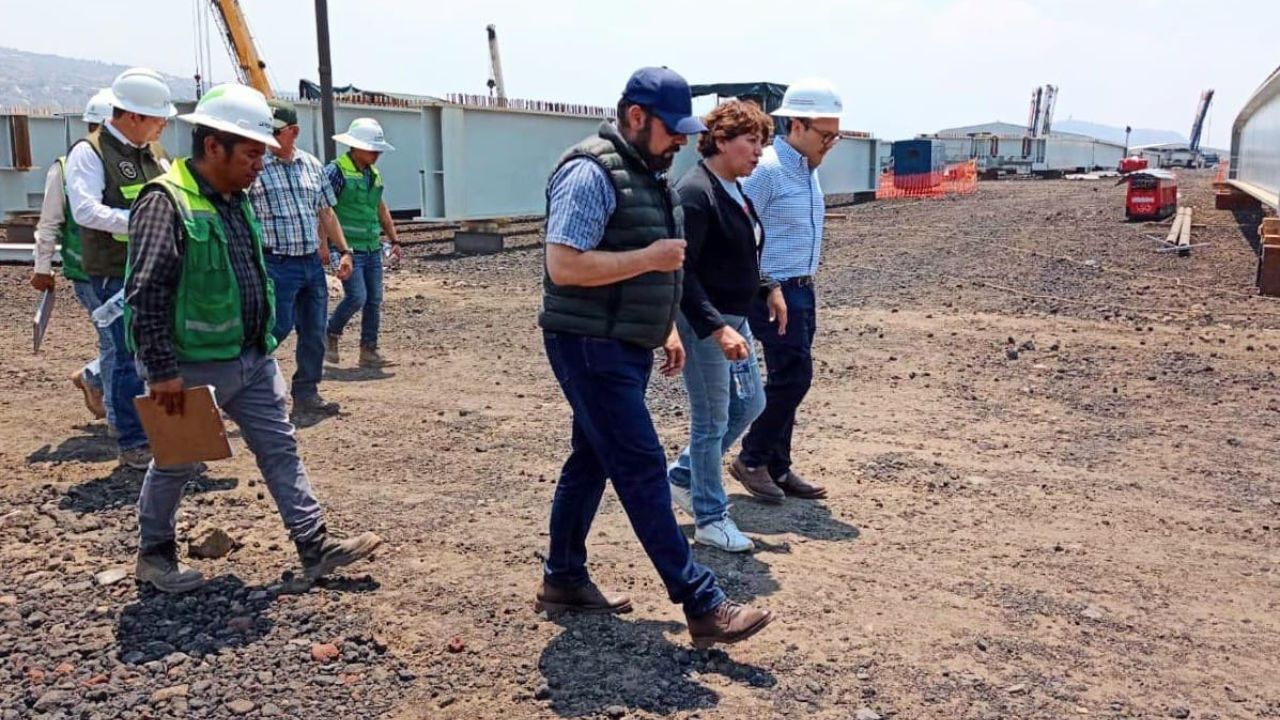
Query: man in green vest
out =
(57, 226)
(614, 255)
(104, 173)
(200, 311)
(364, 216)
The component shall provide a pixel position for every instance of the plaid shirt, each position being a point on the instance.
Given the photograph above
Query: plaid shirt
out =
(789, 200)
(287, 197)
(156, 244)
(580, 201)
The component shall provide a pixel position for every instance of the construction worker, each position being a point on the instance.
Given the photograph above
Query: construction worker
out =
(57, 226)
(199, 313)
(364, 216)
(788, 197)
(614, 254)
(104, 172)
(292, 198)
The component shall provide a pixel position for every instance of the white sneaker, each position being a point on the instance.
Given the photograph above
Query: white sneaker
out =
(724, 534)
(683, 499)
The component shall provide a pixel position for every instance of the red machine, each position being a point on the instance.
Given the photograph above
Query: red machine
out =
(1152, 194)
(1132, 164)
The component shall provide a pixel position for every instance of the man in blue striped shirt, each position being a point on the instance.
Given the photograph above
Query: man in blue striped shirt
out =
(785, 191)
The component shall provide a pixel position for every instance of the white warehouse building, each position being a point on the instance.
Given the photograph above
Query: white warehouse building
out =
(1006, 149)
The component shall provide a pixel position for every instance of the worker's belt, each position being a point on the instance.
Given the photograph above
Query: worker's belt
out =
(272, 253)
(801, 281)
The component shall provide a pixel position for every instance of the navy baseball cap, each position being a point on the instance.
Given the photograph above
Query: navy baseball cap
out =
(663, 92)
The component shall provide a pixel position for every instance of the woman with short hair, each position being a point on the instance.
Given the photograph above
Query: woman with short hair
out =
(722, 278)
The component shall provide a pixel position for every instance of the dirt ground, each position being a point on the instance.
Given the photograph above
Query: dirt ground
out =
(1050, 451)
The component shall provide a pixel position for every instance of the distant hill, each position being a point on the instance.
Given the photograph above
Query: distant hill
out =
(1110, 133)
(50, 82)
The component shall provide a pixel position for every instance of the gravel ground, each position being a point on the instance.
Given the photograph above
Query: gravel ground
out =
(1050, 450)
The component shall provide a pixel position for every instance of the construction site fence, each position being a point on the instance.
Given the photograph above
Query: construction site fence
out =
(955, 179)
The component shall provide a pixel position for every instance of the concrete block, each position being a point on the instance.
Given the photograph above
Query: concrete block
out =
(470, 242)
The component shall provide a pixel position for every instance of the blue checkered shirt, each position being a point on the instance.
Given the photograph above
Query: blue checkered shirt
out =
(788, 198)
(580, 201)
(287, 198)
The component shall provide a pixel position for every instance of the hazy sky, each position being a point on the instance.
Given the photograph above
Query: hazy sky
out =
(903, 66)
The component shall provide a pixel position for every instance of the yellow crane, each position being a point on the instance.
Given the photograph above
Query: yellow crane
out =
(249, 65)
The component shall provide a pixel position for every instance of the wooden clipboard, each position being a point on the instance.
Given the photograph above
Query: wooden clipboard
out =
(196, 435)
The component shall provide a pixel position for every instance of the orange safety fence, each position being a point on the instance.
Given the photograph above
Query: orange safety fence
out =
(956, 179)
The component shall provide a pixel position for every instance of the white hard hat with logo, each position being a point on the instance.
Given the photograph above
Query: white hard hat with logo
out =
(236, 109)
(811, 98)
(365, 134)
(142, 91)
(98, 109)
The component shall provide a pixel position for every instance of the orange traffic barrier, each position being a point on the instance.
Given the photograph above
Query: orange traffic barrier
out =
(956, 179)
(1223, 167)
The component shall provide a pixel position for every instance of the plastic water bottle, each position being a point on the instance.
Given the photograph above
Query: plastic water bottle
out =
(742, 380)
(386, 250)
(109, 311)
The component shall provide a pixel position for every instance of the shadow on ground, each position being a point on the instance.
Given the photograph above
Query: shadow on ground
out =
(746, 576)
(808, 518)
(92, 445)
(356, 374)
(225, 613)
(120, 489)
(742, 576)
(602, 662)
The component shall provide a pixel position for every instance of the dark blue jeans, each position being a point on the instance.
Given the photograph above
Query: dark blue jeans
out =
(302, 299)
(125, 383)
(613, 437)
(361, 292)
(789, 364)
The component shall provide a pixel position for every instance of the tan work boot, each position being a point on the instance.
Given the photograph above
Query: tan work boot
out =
(587, 599)
(331, 349)
(323, 553)
(92, 395)
(159, 566)
(728, 623)
(371, 358)
(138, 458)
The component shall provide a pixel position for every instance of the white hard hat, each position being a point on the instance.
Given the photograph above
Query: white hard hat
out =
(142, 91)
(365, 134)
(98, 108)
(237, 109)
(811, 98)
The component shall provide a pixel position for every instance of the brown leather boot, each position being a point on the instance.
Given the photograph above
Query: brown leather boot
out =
(587, 599)
(757, 481)
(728, 623)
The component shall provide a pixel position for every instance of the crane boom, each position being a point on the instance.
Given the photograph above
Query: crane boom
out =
(1197, 124)
(1033, 120)
(1046, 114)
(249, 65)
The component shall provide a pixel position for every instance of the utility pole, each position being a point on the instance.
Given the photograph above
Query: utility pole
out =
(326, 79)
(1127, 130)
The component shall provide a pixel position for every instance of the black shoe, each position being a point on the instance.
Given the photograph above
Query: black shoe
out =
(323, 553)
